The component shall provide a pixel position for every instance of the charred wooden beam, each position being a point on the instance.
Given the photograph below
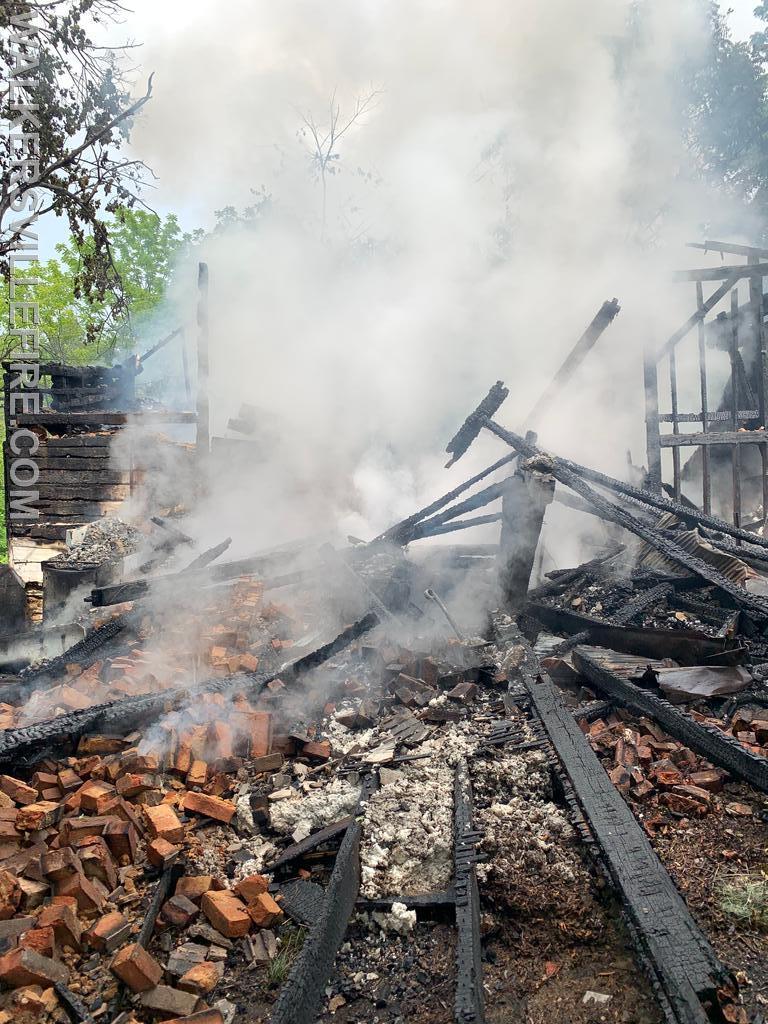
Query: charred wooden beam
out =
(470, 1001)
(685, 968)
(718, 747)
(686, 646)
(324, 835)
(571, 475)
(730, 437)
(722, 272)
(404, 529)
(730, 248)
(603, 318)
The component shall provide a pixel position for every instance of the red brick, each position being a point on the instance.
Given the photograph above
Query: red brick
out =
(26, 967)
(122, 839)
(41, 940)
(136, 968)
(252, 886)
(202, 978)
(226, 913)
(65, 924)
(264, 910)
(108, 933)
(17, 790)
(90, 894)
(10, 895)
(161, 853)
(34, 817)
(179, 911)
(61, 863)
(210, 807)
(194, 887)
(95, 796)
(164, 824)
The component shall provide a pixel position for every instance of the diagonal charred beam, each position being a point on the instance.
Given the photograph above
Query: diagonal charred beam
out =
(722, 750)
(603, 318)
(571, 476)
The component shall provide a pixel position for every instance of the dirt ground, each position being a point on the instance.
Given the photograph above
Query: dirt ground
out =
(702, 855)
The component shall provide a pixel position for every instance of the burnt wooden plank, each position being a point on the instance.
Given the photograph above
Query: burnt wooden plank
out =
(103, 417)
(73, 475)
(721, 437)
(291, 853)
(683, 962)
(82, 492)
(78, 441)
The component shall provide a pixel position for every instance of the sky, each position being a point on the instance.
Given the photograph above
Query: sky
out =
(742, 19)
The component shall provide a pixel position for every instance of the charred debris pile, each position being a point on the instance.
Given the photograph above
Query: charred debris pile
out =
(304, 786)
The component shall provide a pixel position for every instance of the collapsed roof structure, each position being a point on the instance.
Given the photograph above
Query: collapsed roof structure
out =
(305, 785)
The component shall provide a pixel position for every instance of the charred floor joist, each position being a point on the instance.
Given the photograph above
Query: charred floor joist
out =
(685, 969)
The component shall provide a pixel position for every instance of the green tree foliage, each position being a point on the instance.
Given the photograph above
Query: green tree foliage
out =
(78, 327)
(727, 114)
(79, 106)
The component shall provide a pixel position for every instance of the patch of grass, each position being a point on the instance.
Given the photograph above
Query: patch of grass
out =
(291, 942)
(746, 897)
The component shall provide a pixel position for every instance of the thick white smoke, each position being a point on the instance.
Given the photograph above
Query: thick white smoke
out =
(504, 182)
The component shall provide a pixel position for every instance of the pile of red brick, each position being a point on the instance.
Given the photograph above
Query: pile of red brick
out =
(229, 634)
(650, 768)
(79, 843)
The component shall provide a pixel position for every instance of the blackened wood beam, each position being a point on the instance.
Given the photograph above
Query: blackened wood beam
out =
(603, 318)
(525, 500)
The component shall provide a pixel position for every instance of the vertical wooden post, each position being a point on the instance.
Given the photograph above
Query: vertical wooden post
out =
(523, 505)
(675, 422)
(651, 379)
(706, 480)
(203, 440)
(735, 449)
(761, 354)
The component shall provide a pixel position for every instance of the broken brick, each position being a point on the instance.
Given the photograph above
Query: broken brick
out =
(17, 790)
(65, 924)
(136, 968)
(109, 932)
(194, 887)
(251, 886)
(166, 1000)
(164, 824)
(95, 796)
(90, 894)
(210, 807)
(10, 895)
(34, 817)
(202, 978)
(41, 940)
(226, 912)
(264, 910)
(26, 967)
(179, 911)
(161, 853)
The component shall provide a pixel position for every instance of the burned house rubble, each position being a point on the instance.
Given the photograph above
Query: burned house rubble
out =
(404, 779)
